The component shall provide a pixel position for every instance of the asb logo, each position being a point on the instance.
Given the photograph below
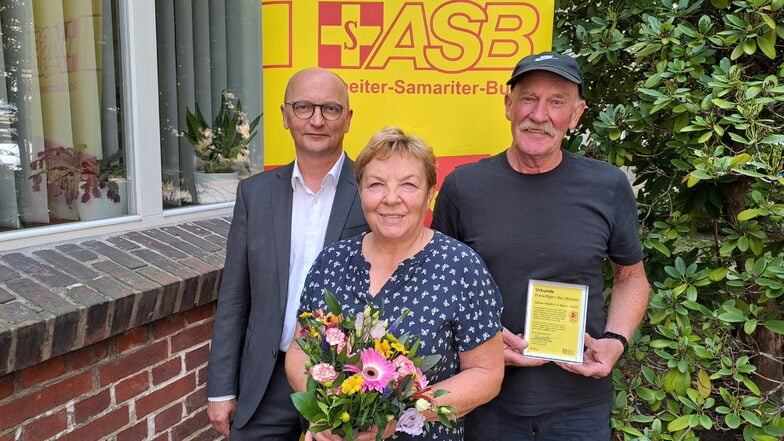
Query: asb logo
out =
(455, 36)
(347, 32)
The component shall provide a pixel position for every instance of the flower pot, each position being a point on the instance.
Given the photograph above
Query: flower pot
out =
(103, 207)
(215, 187)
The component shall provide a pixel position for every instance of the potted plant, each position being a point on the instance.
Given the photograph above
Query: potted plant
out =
(218, 146)
(76, 175)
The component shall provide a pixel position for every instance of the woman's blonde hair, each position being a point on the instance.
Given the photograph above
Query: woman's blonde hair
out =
(391, 140)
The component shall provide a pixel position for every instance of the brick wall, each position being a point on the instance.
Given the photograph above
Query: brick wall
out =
(108, 338)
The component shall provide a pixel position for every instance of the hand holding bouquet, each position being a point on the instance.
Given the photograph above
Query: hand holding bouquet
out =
(361, 375)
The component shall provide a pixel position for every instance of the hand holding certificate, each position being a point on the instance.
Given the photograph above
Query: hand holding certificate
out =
(555, 320)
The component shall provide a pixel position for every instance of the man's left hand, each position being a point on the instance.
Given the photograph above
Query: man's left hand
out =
(599, 357)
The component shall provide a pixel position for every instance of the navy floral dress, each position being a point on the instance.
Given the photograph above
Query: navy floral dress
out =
(454, 302)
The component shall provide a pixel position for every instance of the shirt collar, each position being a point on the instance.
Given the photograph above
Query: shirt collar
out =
(330, 179)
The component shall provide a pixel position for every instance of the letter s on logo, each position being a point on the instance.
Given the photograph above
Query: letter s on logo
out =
(353, 43)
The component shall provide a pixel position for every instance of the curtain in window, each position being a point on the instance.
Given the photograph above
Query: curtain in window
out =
(204, 48)
(58, 93)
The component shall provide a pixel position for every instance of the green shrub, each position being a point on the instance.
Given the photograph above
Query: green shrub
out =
(690, 95)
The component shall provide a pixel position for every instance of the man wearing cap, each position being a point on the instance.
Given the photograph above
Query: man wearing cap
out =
(536, 211)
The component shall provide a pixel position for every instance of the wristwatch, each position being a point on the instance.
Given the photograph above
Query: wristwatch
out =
(619, 337)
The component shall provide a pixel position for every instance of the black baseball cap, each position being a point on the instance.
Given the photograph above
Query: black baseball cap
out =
(554, 62)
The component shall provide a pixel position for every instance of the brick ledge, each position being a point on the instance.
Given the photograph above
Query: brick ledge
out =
(58, 299)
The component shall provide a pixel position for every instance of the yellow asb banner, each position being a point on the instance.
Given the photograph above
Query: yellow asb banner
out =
(437, 69)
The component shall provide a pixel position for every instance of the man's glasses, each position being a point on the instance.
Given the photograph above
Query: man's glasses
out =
(305, 109)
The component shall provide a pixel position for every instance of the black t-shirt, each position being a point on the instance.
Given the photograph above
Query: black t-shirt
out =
(558, 226)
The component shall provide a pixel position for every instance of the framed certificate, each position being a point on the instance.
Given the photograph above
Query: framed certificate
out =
(555, 320)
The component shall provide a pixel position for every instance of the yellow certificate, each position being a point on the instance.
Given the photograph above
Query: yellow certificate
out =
(555, 320)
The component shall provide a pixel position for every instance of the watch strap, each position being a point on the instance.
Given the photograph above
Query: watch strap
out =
(619, 337)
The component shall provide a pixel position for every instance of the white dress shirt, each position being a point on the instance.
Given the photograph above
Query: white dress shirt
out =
(309, 217)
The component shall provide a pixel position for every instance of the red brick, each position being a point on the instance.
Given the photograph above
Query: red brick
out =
(166, 371)
(190, 425)
(45, 428)
(196, 400)
(200, 313)
(201, 376)
(167, 326)
(134, 433)
(131, 387)
(164, 396)
(191, 337)
(168, 417)
(6, 386)
(43, 372)
(197, 357)
(92, 406)
(100, 427)
(206, 434)
(132, 339)
(161, 437)
(41, 401)
(89, 355)
(10, 436)
(133, 362)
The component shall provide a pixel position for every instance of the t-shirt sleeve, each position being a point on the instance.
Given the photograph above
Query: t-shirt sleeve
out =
(446, 216)
(624, 245)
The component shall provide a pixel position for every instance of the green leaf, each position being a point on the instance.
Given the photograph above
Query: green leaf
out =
(718, 274)
(676, 381)
(749, 326)
(773, 139)
(332, 303)
(658, 246)
(679, 423)
(751, 418)
(776, 326)
(307, 405)
(723, 104)
(766, 47)
(732, 317)
(732, 420)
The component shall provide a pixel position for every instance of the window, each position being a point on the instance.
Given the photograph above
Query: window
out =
(62, 149)
(206, 52)
(89, 80)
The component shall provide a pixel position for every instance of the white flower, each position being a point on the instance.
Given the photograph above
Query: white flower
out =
(378, 330)
(411, 422)
(422, 405)
(244, 129)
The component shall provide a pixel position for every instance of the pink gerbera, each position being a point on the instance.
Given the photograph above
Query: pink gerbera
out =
(376, 371)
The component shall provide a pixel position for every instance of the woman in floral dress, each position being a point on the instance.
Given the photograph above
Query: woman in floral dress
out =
(403, 265)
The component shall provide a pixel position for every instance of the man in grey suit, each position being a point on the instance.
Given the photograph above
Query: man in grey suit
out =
(282, 219)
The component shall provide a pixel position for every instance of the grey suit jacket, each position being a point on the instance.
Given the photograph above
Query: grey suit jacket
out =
(252, 299)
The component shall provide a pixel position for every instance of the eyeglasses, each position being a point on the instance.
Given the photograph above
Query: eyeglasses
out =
(305, 110)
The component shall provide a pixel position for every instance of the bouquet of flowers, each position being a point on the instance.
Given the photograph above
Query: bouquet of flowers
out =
(227, 140)
(360, 374)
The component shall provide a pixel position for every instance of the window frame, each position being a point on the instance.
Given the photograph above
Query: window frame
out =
(139, 67)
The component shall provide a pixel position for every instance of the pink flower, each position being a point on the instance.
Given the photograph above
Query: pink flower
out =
(335, 336)
(323, 373)
(410, 422)
(376, 371)
(404, 366)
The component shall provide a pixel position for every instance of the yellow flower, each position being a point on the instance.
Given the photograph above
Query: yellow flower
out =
(352, 384)
(383, 347)
(345, 417)
(400, 348)
(306, 314)
(395, 344)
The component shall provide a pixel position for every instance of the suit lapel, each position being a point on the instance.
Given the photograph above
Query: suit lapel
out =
(345, 195)
(281, 228)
